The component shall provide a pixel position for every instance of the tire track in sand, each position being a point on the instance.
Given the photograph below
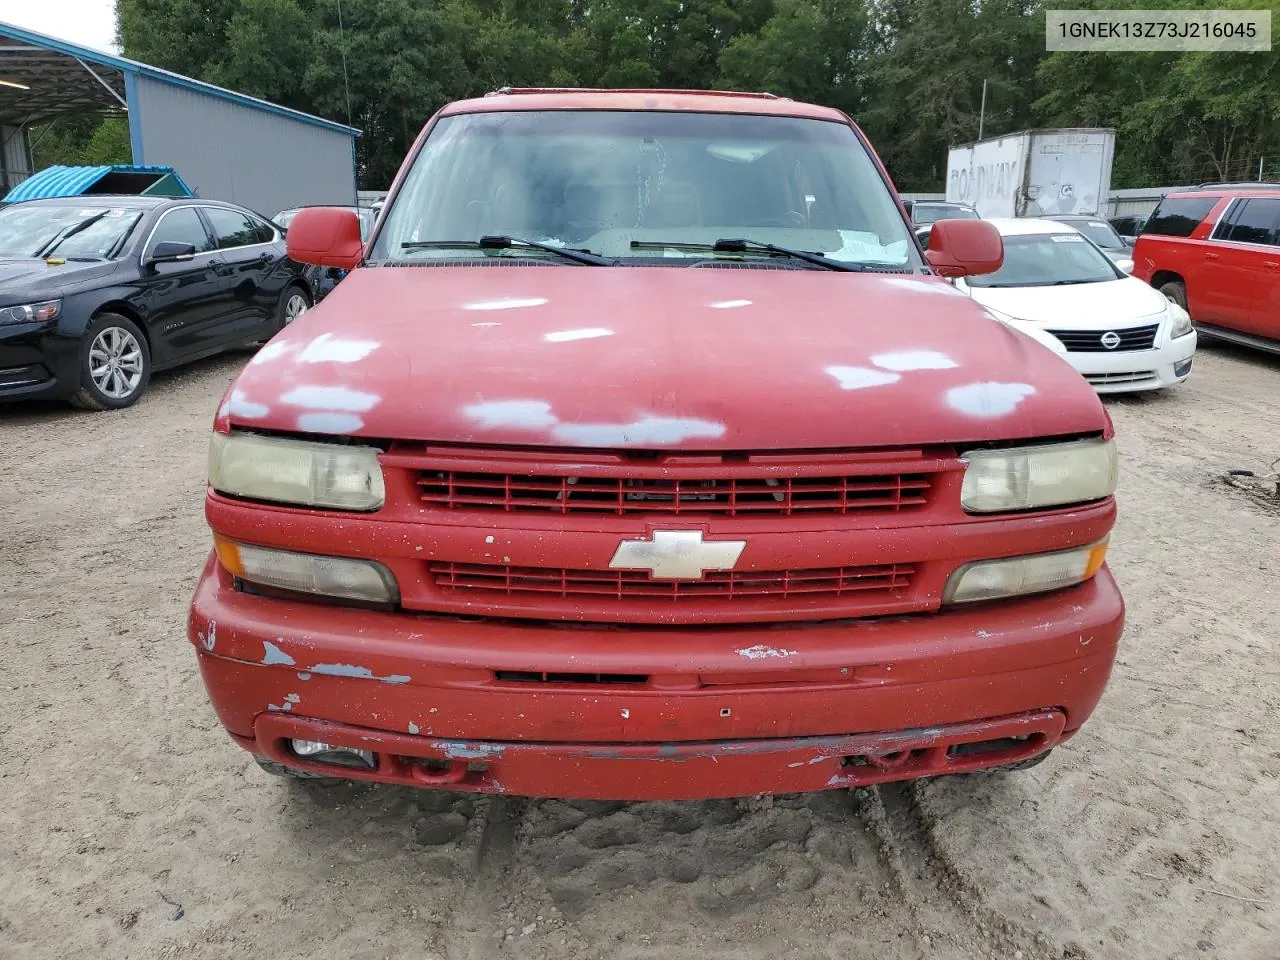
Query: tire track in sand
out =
(947, 908)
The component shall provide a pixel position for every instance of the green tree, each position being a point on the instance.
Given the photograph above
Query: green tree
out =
(926, 74)
(813, 50)
(76, 141)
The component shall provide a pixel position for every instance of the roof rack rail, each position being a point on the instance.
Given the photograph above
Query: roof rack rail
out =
(511, 91)
(1259, 184)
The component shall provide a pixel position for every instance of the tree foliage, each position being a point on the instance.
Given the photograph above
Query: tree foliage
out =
(910, 71)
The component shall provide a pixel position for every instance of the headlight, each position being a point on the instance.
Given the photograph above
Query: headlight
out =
(1018, 576)
(31, 312)
(1028, 478)
(296, 471)
(1179, 322)
(307, 573)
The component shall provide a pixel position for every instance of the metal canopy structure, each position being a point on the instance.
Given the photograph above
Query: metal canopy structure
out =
(38, 84)
(225, 145)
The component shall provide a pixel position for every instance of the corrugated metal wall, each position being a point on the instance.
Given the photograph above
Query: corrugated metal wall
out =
(228, 151)
(15, 157)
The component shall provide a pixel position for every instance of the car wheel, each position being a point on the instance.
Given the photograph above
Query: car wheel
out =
(1028, 763)
(1175, 291)
(115, 364)
(293, 304)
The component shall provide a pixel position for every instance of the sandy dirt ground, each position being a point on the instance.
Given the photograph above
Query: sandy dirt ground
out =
(130, 826)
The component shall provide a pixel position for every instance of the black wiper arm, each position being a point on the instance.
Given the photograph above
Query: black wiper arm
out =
(510, 243)
(68, 232)
(741, 246)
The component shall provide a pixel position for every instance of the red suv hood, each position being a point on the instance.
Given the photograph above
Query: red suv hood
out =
(712, 359)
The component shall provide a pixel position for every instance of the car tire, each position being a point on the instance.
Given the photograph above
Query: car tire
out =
(1175, 291)
(115, 364)
(294, 302)
(1028, 763)
(290, 773)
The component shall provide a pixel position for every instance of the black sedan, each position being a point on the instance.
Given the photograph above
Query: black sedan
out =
(98, 292)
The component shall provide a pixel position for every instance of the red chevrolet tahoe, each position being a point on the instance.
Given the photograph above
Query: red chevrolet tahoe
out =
(1215, 251)
(643, 454)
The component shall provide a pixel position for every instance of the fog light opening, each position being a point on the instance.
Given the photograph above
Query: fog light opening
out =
(1022, 744)
(317, 752)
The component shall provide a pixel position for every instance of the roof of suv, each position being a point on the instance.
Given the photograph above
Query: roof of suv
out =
(1228, 190)
(692, 101)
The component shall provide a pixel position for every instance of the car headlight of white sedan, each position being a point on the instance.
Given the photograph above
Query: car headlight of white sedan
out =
(1179, 321)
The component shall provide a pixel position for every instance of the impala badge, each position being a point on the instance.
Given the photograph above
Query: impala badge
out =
(677, 555)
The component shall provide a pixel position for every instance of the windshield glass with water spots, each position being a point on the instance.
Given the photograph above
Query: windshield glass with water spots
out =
(605, 180)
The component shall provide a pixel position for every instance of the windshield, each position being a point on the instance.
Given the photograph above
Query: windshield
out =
(926, 213)
(603, 180)
(72, 231)
(1043, 260)
(1100, 232)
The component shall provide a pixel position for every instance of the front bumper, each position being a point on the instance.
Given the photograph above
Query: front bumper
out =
(1133, 370)
(37, 361)
(538, 709)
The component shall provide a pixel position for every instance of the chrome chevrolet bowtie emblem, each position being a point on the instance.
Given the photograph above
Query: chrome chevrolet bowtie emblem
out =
(677, 555)
(1111, 339)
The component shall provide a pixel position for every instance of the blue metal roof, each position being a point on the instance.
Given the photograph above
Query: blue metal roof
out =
(127, 66)
(60, 181)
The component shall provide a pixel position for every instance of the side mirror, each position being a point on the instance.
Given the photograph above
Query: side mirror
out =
(325, 237)
(1129, 241)
(964, 248)
(907, 205)
(170, 251)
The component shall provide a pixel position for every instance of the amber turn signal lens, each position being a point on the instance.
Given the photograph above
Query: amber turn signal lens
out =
(229, 556)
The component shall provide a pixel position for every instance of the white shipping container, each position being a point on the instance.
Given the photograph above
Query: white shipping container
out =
(1034, 173)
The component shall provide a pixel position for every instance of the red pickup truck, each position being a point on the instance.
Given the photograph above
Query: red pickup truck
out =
(644, 454)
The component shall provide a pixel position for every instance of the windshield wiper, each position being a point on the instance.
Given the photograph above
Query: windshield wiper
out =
(745, 246)
(511, 243)
(69, 232)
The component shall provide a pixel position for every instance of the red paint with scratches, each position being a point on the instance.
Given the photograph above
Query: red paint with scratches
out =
(833, 407)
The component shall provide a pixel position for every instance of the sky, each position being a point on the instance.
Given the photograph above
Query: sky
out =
(91, 23)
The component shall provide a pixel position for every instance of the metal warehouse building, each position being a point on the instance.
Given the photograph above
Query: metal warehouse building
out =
(224, 145)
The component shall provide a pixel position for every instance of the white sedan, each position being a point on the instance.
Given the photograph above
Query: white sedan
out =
(1059, 288)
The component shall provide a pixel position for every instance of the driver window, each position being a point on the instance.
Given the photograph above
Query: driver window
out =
(182, 225)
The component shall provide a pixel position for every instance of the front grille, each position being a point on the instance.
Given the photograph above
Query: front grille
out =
(871, 583)
(1090, 341)
(1106, 379)
(700, 490)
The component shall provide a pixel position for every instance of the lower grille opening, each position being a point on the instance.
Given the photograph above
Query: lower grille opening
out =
(980, 747)
(23, 376)
(884, 761)
(530, 676)
(1130, 376)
